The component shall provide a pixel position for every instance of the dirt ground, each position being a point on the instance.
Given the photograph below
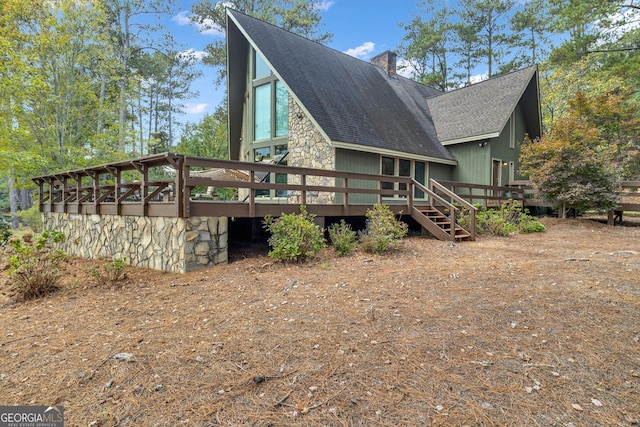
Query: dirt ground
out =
(529, 330)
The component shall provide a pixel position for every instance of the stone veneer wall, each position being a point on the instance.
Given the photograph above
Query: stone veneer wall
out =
(169, 244)
(308, 148)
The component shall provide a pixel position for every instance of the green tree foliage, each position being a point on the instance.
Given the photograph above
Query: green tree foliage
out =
(486, 17)
(580, 162)
(426, 48)
(607, 30)
(208, 138)
(298, 16)
(533, 22)
(50, 94)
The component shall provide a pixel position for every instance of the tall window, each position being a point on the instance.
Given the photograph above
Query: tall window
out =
(270, 118)
(270, 106)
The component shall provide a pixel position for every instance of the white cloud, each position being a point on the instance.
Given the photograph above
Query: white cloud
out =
(361, 51)
(182, 18)
(191, 54)
(405, 69)
(620, 23)
(323, 6)
(479, 78)
(195, 108)
(207, 26)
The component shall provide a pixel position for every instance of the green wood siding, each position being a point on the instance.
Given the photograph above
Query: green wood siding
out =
(501, 146)
(474, 163)
(360, 162)
(439, 171)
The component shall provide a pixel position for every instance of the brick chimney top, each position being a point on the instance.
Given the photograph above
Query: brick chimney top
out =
(386, 60)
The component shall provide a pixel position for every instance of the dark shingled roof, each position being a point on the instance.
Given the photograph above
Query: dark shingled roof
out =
(356, 102)
(353, 101)
(479, 109)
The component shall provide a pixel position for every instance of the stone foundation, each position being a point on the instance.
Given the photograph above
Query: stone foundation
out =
(169, 244)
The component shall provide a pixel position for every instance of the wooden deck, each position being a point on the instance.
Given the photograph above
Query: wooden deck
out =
(628, 199)
(165, 184)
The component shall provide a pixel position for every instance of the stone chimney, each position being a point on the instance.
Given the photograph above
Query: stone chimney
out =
(386, 60)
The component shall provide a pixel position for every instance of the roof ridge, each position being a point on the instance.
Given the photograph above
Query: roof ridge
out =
(533, 67)
(328, 47)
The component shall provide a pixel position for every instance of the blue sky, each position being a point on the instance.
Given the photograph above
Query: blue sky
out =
(360, 28)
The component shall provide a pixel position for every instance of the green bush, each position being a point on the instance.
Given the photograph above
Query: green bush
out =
(383, 230)
(504, 220)
(34, 265)
(110, 273)
(5, 232)
(32, 217)
(529, 224)
(343, 238)
(294, 237)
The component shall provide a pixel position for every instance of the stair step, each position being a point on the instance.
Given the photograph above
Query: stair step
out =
(443, 222)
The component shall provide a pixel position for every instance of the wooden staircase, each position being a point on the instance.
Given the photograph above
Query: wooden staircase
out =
(432, 216)
(439, 224)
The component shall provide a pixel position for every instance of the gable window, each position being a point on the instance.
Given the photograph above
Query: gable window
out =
(403, 167)
(269, 119)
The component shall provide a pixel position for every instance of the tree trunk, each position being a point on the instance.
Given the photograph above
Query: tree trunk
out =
(26, 199)
(14, 196)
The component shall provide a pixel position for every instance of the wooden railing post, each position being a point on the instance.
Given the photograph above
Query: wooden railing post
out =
(252, 194)
(96, 191)
(182, 196)
(345, 198)
(303, 195)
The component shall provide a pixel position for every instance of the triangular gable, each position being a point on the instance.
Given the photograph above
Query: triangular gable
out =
(352, 101)
(482, 110)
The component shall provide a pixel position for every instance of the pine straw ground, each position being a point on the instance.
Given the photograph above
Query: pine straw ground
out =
(531, 330)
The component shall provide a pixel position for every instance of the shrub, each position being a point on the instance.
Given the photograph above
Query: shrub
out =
(504, 220)
(34, 265)
(32, 217)
(294, 237)
(383, 230)
(110, 273)
(343, 238)
(5, 232)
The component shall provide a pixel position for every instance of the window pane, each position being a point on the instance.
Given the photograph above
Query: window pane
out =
(388, 168)
(404, 169)
(262, 154)
(420, 169)
(261, 67)
(262, 114)
(282, 110)
(279, 152)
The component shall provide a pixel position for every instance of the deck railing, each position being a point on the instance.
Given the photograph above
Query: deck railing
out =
(485, 195)
(163, 185)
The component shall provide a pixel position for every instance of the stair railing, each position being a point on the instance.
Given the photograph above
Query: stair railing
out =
(433, 196)
(435, 185)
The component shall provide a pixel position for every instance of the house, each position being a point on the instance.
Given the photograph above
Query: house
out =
(343, 127)
(325, 109)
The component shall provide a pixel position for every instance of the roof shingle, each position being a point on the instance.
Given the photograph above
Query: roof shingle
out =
(356, 102)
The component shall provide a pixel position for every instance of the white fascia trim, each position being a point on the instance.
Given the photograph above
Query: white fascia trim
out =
(471, 138)
(391, 153)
